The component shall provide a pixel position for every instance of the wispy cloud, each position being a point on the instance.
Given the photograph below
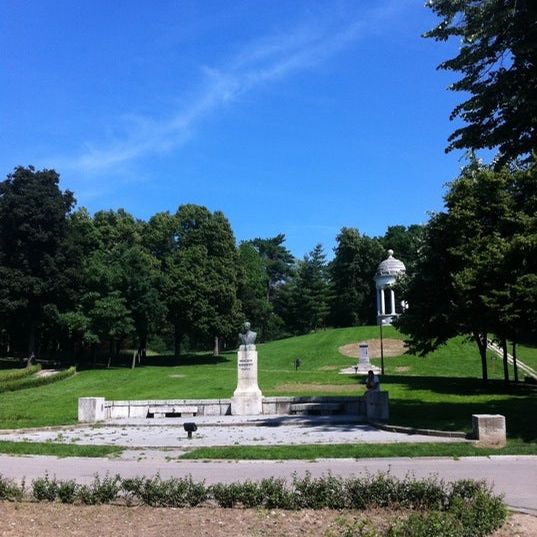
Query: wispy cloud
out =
(267, 60)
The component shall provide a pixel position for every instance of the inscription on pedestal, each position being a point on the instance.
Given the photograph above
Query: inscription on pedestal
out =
(247, 398)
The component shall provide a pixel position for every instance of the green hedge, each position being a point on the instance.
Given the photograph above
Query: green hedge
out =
(463, 509)
(15, 374)
(33, 382)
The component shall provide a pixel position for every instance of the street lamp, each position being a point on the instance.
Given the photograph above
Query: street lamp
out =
(381, 348)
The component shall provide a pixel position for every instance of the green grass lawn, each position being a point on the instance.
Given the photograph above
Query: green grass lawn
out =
(358, 451)
(526, 354)
(57, 449)
(440, 391)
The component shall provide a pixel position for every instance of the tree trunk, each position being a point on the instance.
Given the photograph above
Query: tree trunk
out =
(505, 362)
(216, 348)
(93, 352)
(31, 344)
(515, 366)
(481, 340)
(142, 344)
(110, 351)
(177, 336)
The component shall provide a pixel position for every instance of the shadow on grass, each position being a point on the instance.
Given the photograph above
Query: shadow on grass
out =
(457, 416)
(10, 363)
(460, 385)
(161, 360)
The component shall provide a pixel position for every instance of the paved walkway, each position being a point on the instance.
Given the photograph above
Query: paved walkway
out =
(155, 444)
(223, 431)
(513, 476)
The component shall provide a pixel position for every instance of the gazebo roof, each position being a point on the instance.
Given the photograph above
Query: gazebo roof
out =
(390, 266)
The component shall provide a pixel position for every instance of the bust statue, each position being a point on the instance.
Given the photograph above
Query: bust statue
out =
(247, 337)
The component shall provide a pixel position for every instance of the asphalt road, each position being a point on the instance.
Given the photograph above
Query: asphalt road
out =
(513, 476)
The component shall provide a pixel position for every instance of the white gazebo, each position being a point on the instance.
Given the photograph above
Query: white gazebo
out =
(387, 273)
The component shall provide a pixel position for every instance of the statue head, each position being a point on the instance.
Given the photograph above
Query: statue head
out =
(247, 326)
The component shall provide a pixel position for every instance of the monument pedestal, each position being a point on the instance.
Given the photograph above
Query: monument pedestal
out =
(364, 365)
(247, 399)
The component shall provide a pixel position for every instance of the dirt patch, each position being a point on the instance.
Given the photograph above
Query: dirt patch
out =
(177, 376)
(402, 369)
(329, 368)
(47, 372)
(326, 388)
(392, 347)
(53, 520)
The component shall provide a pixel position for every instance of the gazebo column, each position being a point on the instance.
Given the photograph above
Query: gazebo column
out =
(392, 297)
(382, 306)
(378, 301)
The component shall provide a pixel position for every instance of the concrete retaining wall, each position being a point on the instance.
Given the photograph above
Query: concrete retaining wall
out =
(107, 410)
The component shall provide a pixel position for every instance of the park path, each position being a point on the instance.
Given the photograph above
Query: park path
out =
(513, 476)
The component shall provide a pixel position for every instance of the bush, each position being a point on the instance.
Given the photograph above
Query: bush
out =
(276, 495)
(67, 491)
(480, 515)
(323, 492)
(9, 490)
(34, 382)
(45, 489)
(100, 491)
(226, 495)
(428, 524)
(175, 492)
(14, 374)
(422, 494)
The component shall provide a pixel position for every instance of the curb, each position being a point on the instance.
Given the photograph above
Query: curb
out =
(414, 430)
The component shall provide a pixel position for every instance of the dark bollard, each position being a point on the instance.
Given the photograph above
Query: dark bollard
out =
(190, 427)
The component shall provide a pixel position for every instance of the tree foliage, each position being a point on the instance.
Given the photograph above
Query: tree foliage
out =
(352, 271)
(33, 228)
(475, 274)
(498, 63)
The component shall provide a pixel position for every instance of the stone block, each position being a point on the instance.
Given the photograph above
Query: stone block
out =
(489, 429)
(91, 409)
(377, 406)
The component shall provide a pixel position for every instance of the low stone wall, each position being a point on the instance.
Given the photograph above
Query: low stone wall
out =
(167, 408)
(92, 409)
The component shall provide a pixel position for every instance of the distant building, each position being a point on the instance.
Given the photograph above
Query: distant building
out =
(387, 273)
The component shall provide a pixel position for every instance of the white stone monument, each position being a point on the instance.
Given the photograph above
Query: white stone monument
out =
(247, 399)
(364, 365)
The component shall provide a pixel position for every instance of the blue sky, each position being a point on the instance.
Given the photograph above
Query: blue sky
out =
(295, 117)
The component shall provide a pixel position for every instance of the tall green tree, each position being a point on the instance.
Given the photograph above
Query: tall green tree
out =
(33, 229)
(405, 241)
(476, 259)
(497, 61)
(200, 267)
(278, 261)
(352, 271)
(304, 302)
(252, 288)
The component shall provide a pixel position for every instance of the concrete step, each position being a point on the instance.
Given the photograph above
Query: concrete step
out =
(316, 408)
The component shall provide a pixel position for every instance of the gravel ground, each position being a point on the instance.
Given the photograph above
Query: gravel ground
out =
(223, 431)
(53, 520)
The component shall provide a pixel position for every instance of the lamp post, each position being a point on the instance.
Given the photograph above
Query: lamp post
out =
(381, 348)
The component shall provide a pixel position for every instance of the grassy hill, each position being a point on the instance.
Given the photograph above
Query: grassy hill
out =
(440, 391)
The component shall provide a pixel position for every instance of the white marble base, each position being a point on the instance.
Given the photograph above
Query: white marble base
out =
(91, 409)
(247, 399)
(247, 404)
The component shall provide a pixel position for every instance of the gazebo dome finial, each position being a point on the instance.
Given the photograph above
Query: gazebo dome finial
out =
(390, 252)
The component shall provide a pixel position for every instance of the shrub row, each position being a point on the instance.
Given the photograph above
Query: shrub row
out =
(33, 382)
(15, 374)
(462, 509)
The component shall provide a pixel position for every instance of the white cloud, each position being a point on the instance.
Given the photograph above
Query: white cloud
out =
(269, 59)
